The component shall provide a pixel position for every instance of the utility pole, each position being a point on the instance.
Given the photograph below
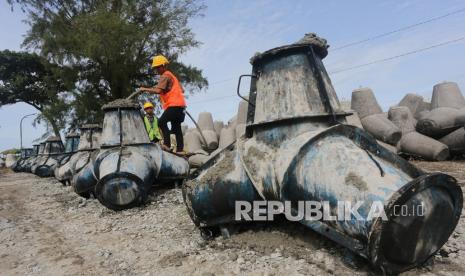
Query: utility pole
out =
(21, 129)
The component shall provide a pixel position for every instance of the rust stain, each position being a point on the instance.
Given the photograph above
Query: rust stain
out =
(355, 180)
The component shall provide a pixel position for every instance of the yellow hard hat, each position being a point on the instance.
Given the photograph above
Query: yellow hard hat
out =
(148, 105)
(159, 61)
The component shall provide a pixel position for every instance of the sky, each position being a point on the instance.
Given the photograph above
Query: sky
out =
(231, 32)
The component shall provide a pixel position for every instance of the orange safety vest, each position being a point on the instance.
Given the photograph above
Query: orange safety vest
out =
(174, 97)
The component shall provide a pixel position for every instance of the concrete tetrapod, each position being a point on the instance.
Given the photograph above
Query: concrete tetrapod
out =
(402, 118)
(227, 137)
(128, 164)
(416, 104)
(441, 121)
(364, 102)
(219, 125)
(455, 141)
(372, 118)
(184, 129)
(198, 160)
(299, 152)
(193, 142)
(194, 145)
(207, 126)
(412, 142)
(10, 160)
(381, 128)
(241, 118)
(232, 122)
(447, 94)
(354, 119)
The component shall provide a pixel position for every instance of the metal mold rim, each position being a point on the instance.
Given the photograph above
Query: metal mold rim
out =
(142, 194)
(415, 186)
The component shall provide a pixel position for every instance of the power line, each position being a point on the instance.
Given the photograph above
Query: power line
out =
(397, 30)
(357, 66)
(373, 37)
(363, 41)
(217, 98)
(398, 56)
(220, 81)
(213, 99)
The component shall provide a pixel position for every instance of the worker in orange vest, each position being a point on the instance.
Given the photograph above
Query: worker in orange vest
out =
(173, 103)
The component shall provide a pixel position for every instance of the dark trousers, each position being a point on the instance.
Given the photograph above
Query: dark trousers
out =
(175, 115)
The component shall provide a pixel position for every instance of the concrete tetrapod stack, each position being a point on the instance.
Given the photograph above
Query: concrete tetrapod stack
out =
(416, 104)
(207, 126)
(227, 137)
(372, 117)
(310, 156)
(412, 142)
(354, 120)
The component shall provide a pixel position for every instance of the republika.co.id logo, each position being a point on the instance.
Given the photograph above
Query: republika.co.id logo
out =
(320, 210)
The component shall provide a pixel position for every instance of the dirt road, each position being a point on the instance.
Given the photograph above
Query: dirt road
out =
(45, 229)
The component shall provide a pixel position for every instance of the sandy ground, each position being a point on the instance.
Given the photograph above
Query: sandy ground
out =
(45, 229)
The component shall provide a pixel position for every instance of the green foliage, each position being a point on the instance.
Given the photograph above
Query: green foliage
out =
(108, 44)
(11, 151)
(28, 78)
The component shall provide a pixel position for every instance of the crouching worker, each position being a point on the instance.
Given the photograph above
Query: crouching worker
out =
(151, 123)
(173, 103)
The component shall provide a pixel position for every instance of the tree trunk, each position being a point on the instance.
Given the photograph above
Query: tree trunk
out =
(53, 123)
(56, 130)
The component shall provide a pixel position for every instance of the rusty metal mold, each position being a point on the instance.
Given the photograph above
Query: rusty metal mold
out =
(63, 169)
(26, 167)
(26, 154)
(53, 151)
(80, 147)
(127, 164)
(298, 148)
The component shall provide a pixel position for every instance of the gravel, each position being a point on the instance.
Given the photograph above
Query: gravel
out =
(46, 229)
